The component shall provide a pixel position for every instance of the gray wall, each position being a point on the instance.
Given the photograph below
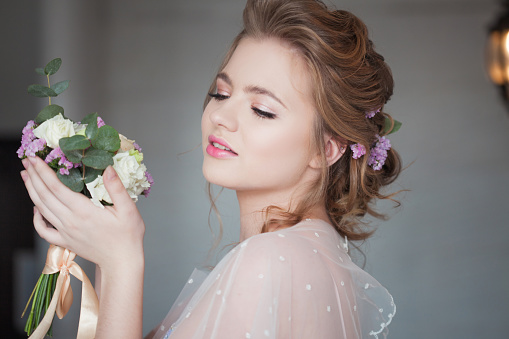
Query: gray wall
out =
(146, 66)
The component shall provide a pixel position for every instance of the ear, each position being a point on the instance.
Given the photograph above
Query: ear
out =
(334, 150)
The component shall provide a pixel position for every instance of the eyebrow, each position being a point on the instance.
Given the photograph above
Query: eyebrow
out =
(251, 88)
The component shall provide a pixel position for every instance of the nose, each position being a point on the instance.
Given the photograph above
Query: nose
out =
(224, 114)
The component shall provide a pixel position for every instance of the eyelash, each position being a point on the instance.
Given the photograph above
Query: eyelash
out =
(218, 97)
(261, 114)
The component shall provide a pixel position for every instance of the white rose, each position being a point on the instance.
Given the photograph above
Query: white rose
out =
(54, 129)
(131, 173)
(98, 191)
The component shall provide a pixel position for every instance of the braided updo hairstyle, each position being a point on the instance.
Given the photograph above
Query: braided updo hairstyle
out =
(349, 79)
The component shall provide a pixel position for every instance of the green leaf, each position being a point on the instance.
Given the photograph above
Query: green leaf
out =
(91, 121)
(76, 142)
(88, 119)
(40, 71)
(97, 158)
(387, 126)
(41, 91)
(48, 112)
(107, 139)
(74, 156)
(53, 66)
(91, 174)
(61, 86)
(73, 180)
(92, 130)
(73, 147)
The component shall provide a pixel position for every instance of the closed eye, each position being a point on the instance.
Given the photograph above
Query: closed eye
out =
(263, 114)
(218, 97)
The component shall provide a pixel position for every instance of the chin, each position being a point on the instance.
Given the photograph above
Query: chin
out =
(216, 177)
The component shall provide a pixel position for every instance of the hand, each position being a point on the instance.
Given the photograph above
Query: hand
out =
(107, 237)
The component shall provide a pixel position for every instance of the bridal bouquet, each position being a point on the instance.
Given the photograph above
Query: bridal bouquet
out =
(79, 152)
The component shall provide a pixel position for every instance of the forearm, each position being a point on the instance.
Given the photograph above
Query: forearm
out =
(97, 284)
(121, 300)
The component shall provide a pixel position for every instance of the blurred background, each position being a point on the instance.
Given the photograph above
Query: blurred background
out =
(146, 66)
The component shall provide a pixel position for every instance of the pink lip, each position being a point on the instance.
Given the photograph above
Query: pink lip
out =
(217, 152)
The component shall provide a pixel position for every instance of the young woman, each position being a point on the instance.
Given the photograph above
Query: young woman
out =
(294, 124)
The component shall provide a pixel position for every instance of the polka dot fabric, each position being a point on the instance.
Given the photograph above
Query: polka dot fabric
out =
(298, 282)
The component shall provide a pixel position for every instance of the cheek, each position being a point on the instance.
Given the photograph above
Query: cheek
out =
(205, 123)
(286, 151)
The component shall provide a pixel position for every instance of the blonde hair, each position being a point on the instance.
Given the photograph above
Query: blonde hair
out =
(350, 78)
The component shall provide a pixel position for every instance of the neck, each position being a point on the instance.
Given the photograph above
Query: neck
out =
(251, 205)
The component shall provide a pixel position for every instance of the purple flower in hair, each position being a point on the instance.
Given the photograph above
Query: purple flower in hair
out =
(358, 150)
(371, 114)
(378, 153)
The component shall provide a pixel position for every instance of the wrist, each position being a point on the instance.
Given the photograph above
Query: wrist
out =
(127, 263)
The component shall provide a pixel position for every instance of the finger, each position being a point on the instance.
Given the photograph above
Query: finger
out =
(118, 194)
(34, 196)
(52, 186)
(46, 232)
(38, 181)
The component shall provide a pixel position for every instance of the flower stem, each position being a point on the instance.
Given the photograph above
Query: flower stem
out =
(29, 325)
(47, 76)
(83, 168)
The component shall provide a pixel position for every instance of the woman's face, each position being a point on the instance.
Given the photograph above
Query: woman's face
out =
(258, 126)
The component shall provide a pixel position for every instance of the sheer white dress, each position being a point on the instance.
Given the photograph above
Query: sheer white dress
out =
(298, 282)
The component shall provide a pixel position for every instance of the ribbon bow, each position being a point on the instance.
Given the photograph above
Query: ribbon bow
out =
(62, 260)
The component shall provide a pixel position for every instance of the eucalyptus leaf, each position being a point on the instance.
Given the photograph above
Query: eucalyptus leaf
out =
(91, 174)
(76, 142)
(41, 91)
(48, 112)
(74, 156)
(74, 180)
(53, 66)
(92, 130)
(387, 126)
(97, 158)
(88, 119)
(107, 139)
(61, 86)
(40, 71)
(73, 147)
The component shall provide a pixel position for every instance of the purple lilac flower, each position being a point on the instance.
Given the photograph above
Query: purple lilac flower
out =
(371, 114)
(150, 181)
(358, 150)
(137, 147)
(58, 154)
(27, 138)
(378, 153)
(54, 154)
(34, 147)
(29, 127)
(67, 165)
(20, 152)
(100, 122)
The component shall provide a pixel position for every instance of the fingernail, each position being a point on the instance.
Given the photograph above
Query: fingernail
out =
(112, 174)
(35, 210)
(23, 175)
(25, 163)
(32, 160)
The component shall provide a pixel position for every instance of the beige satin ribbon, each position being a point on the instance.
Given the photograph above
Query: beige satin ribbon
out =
(62, 260)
